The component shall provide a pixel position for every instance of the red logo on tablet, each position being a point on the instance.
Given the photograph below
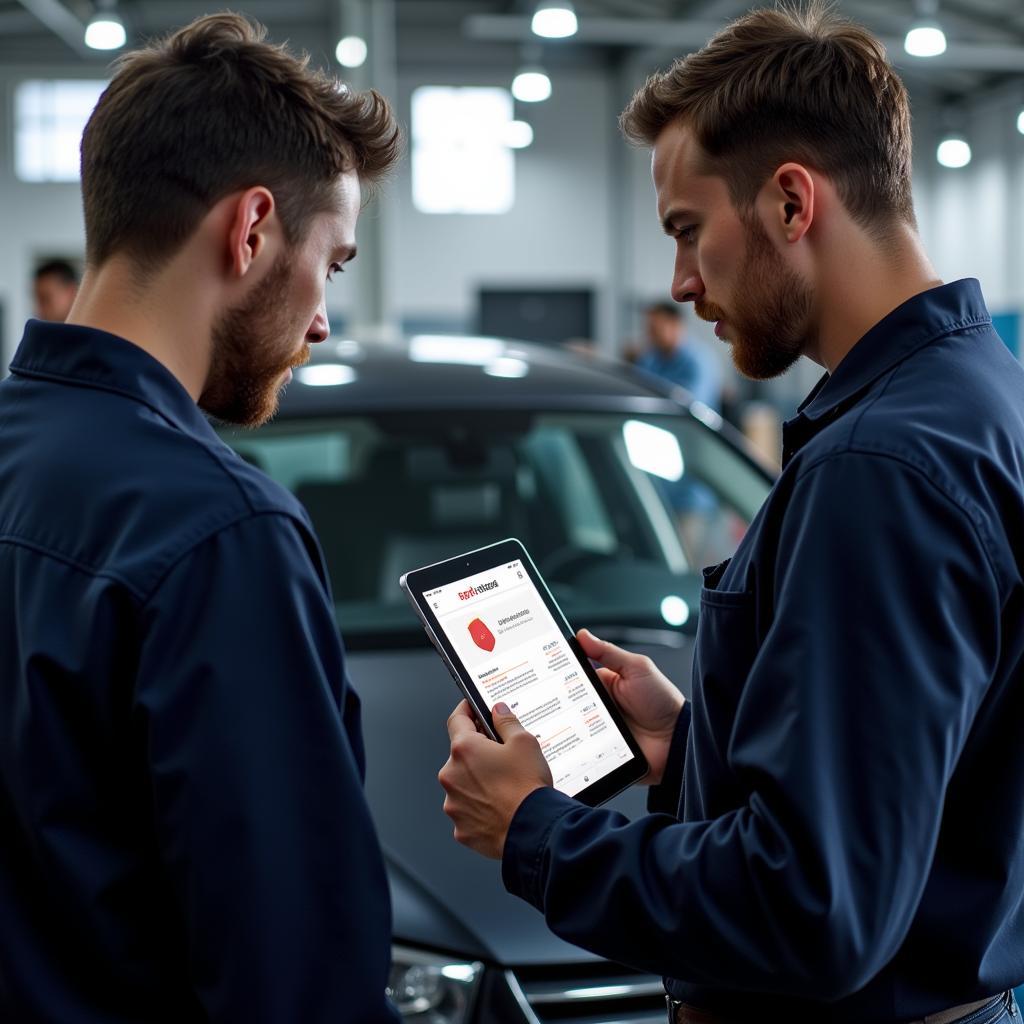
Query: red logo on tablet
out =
(482, 636)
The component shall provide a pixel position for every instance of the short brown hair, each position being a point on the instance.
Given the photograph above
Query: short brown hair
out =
(209, 110)
(799, 84)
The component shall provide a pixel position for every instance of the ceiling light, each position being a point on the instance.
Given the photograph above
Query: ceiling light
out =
(954, 152)
(531, 85)
(105, 30)
(554, 19)
(1020, 122)
(518, 134)
(351, 52)
(925, 38)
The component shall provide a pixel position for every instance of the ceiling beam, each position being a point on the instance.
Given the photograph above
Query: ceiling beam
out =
(685, 35)
(62, 23)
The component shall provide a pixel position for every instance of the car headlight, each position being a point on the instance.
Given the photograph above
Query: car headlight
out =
(430, 988)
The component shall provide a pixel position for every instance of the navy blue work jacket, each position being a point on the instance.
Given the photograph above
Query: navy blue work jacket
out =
(846, 842)
(183, 831)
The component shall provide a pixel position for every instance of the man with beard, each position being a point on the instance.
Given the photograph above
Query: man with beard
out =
(838, 811)
(185, 832)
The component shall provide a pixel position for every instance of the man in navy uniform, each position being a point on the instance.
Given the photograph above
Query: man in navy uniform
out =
(837, 826)
(185, 835)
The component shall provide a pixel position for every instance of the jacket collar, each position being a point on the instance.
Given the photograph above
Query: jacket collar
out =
(909, 327)
(86, 357)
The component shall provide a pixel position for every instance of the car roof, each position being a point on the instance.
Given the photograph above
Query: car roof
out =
(462, 373)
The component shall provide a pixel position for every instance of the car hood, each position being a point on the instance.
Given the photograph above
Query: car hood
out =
(444, 895)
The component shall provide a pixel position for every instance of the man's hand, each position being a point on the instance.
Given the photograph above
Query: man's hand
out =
(647, 699)
(485, 782)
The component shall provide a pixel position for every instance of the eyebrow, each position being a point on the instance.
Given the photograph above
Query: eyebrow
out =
(668, 221)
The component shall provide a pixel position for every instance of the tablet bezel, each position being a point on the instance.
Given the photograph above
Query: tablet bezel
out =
(418, 581)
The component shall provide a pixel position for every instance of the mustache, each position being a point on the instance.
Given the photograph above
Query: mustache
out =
(303, 357)
(708, 311)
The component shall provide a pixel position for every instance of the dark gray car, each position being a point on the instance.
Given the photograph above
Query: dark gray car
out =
(620, 489)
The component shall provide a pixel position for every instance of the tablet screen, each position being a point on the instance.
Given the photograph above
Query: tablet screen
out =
(515, 652)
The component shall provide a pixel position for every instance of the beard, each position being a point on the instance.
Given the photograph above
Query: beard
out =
(770, 317)
(249, 360)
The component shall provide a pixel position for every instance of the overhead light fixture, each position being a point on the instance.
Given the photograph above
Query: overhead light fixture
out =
(351, 52)
(105, 30)
(954, 151)
(1020, 122)
(531, 85)
(518, 134)
(554, 19)
(925, 38)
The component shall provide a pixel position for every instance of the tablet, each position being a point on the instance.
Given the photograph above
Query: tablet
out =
(496, 626)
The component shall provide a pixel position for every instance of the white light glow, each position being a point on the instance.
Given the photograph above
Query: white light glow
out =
(531, 85)
(1020, 122)
(460, 972)
(506, 367)
(461, 162)
(554, 19)
(653, 449)
(443, 348)
(105, 32)
(326, 375)
(953, 153)
(351, 52)
(675, 611)
(925, 40)
(518, 134)
(49, 118)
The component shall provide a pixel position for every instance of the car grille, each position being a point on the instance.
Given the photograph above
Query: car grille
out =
(599, 993)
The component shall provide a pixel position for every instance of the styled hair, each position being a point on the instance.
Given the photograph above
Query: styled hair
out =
(670, 309)
(59, 268)
(795, 84)
(212, 109)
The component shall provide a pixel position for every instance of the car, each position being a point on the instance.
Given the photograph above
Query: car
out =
(621, 489)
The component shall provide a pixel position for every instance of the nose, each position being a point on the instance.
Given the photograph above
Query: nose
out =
(319, 329)
(687, 284)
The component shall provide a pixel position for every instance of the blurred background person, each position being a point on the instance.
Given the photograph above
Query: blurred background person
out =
(54, 288)
(671, 354)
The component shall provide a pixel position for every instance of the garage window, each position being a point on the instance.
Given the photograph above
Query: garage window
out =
(461, 160)
(49, 117)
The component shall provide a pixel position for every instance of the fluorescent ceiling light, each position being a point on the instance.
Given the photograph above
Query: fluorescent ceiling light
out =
(518, 134)
(925, 39)
(531, 85)
(554, 19)
(954, 152)
(105, 32)
(351, 52)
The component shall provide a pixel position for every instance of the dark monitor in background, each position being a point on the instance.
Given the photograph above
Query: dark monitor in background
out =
(548, 315)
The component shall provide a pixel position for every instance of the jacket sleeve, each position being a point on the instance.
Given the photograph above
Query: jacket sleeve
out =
(252, 740)
(850, 723)
(664, 798)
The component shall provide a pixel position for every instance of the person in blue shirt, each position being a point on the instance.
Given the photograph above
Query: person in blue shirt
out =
(837, 815)
(672, 356)
(185, 834)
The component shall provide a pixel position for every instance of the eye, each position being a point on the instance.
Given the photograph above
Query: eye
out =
(688, 235)
(334, 268)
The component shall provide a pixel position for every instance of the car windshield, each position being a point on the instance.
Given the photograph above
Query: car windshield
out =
(619, 513)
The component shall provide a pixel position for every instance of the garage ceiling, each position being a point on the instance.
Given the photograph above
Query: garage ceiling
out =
(986, 37)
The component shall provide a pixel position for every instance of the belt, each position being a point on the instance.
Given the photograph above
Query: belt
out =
(681, 1013)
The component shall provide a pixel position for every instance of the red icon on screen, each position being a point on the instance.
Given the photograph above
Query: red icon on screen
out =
(482, 636)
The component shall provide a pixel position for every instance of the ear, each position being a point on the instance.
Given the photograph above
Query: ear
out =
(789, 201)
(249, 228)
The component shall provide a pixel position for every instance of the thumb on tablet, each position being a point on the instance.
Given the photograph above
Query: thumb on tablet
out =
(506, 723)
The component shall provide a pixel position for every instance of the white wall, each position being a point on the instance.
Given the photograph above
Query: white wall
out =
(584, 212)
